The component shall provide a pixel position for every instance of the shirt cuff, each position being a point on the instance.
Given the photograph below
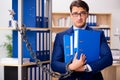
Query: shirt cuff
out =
(67, 69)
(88, 68)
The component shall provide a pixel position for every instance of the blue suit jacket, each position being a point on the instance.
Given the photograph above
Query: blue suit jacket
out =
(58, 65)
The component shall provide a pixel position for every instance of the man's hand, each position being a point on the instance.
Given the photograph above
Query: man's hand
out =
(78, 64)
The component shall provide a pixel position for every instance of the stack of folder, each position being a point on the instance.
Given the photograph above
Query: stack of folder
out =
(82, 42)
(35, 13)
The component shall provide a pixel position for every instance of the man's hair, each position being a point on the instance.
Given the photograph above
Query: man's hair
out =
(79, 3)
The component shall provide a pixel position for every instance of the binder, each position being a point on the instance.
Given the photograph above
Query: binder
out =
(40, 9)
(35, 12)
(43, 45)
(29, 12)
(86, 42)
(92, 20)
(38, 13)
(40, 42)
(68, 47)
(45, 13)
(31, 36)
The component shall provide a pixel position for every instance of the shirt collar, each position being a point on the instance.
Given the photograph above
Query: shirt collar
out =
(74, 27)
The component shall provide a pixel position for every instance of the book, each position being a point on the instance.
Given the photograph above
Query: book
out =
(84, 42)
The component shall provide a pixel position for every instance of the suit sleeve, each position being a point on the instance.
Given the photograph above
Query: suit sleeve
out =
(105, 56)
(57, 62)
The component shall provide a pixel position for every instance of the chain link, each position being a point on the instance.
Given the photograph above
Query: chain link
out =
(33, 55)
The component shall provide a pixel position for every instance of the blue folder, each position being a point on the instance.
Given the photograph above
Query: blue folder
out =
(68, 48)
(86, 42)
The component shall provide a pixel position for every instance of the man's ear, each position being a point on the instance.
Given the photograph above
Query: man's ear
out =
(87, 14)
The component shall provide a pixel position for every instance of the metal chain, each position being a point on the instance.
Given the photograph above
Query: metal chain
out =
(33, 55)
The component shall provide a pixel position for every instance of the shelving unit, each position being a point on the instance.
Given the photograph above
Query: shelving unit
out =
(102, 21)
(112, 72)
(30, 14)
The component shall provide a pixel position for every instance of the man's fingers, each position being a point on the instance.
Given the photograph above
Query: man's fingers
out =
(75, 57)
(83, 56)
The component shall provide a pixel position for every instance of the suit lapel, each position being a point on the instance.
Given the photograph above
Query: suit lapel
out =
(70, 30)
(88, 28)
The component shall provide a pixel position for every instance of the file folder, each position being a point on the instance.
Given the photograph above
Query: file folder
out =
(84, 42)
(68, 47)
(35, 14)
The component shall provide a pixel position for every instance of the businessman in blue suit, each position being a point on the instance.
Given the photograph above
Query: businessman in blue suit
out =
(78, 69)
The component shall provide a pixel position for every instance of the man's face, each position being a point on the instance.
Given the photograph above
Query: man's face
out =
(79, 16)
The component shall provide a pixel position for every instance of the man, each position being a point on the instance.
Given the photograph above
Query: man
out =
(78, 69)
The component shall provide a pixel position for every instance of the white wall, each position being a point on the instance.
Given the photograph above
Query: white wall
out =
(4, 18)
(97, 6)
(5, 5)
